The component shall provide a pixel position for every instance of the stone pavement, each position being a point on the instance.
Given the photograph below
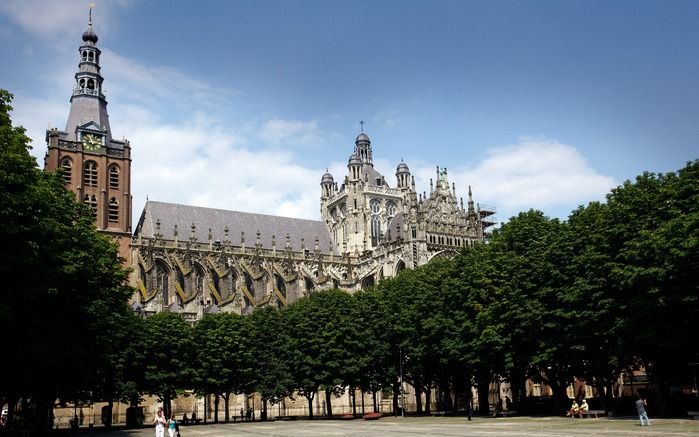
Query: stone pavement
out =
(440, 426)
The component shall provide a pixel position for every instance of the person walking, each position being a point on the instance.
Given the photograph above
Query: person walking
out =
(172, 425)
(159, 423)
(641, 405)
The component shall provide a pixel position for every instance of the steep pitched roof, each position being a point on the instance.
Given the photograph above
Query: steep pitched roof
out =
(171, 214)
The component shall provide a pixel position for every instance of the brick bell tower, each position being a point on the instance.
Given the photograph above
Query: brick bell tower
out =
(95, 166)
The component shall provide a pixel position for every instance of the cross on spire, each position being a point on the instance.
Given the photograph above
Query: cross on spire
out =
(361, 125)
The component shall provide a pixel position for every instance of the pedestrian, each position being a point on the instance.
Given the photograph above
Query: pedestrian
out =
(469, 408)
(159, 423)
(172, 425)
(242, 414)
(641, 405)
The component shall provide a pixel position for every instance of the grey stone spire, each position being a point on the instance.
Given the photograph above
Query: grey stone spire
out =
(88, 106)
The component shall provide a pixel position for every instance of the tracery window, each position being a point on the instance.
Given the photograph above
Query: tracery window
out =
(374, 206)
(375, 229)
(162, 278)
(198, 280)
(90, 174)
(391, 209)
(281, 286)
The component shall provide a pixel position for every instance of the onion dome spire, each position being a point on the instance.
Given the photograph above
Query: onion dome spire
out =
(89, 35)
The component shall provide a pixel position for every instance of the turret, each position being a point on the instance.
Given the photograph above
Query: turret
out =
(355, 167)
(327, 184)
(362, 148)
(403, 175)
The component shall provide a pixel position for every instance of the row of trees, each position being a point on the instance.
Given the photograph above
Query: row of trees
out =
(613, 287)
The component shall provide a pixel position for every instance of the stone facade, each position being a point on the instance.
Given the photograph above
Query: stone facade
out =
(195, 260)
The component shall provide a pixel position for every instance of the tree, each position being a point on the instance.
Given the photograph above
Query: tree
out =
(66, 287)
(168, 345)
(319, 346)
(270, 363)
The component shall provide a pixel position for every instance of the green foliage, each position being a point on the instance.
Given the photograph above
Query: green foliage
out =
(64, 301)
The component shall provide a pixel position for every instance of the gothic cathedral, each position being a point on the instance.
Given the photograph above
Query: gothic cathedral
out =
(195, 261)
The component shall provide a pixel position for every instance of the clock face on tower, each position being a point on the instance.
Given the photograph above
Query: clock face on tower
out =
(91, 142)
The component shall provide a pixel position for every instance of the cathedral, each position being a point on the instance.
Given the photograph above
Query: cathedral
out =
(197, 261)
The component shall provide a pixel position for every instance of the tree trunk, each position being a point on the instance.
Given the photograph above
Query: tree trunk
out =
(418, 398)
(264, 409)
(226, 398)
(396, 393)
(216, 399)
(373, 400)
(428, 401)
(108, 421)
(310, 406)
(328, 401)
(354, 401)
(166, 405)
(483, 389)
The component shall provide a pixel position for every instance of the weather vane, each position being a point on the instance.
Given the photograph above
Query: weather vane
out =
(361, 125)
(92, 6)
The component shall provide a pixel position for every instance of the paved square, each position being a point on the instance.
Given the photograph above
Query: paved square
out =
(438, 426)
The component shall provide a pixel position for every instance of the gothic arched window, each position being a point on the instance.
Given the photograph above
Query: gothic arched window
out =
(248, 283)
(90, 174)
(198, 279)
(113, 210)
(162, 279)
(375, 229)
(114, 177)
(375, 206)
(391, 209)
(310, 286)
(281, 286)
(67, 167)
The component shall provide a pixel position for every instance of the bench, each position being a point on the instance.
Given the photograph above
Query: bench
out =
(693, 414)
(596, 413)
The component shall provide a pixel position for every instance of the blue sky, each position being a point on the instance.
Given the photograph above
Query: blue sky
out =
(243, 104)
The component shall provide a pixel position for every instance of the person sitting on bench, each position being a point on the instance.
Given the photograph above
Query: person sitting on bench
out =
(584, 408)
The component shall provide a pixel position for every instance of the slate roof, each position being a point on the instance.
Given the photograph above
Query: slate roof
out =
(171, 214)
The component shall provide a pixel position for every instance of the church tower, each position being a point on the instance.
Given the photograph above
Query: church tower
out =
(95, 166)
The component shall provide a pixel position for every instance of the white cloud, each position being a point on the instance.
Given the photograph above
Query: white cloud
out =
(278, 131)
(535, 173)
(56, 20)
